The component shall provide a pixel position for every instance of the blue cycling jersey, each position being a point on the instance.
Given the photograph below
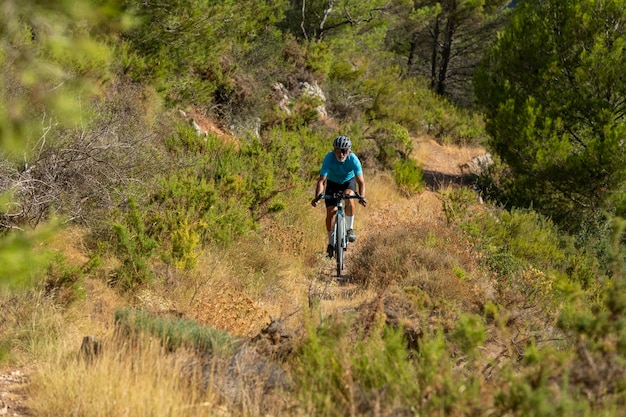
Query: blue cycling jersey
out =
(341, 172)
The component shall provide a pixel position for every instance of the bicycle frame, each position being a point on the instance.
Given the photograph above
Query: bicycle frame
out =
(339, 228)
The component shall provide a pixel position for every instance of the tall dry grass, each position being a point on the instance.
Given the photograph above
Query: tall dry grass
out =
(138, 376)
(125, 380)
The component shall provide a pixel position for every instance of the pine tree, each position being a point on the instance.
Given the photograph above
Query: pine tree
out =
(554, 97)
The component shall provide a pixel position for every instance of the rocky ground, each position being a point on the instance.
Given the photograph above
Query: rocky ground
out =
(12, 383)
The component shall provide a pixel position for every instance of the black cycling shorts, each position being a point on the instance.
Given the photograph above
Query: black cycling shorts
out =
(333, 187)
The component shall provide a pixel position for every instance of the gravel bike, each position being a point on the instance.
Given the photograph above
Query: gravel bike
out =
(339, 228)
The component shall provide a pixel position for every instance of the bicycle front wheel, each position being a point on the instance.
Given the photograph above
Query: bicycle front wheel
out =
(340, 234)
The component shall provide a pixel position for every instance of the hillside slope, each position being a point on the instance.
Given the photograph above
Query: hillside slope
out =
(228, 308)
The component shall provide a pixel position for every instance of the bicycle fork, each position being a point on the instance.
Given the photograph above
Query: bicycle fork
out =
(340, 227)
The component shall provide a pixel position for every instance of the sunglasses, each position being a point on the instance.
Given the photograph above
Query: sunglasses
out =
(342, 151)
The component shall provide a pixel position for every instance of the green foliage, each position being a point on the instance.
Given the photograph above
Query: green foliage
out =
(51, 60)
(557, 123)
(134, 247)
(599, 333)
(470, 333)
(383, 99)
(443, 41)
(318, 20)
(174, 332)
(63, 281)
(336, 376)
(409, 177)
(535, 263)
(184, 46)
(185, 240)
(449, 394)
(521, 234)
(458, 127)
(456, 203)
(393, 143)
(531, 391)
(223, 191)
(207, 201)
(183, 213)
(20, 264)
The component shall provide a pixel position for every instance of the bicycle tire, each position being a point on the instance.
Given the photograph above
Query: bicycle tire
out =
(340, 234)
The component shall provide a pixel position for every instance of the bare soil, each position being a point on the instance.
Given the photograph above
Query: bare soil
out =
(12, 384)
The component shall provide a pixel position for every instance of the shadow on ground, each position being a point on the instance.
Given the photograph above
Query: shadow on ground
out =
(437, 180)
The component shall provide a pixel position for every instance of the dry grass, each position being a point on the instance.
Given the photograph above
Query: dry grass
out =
(71, 243)
(126, 380)
(444, 159)
(138, 376)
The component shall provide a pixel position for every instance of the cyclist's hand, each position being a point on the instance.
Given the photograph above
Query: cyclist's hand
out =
(363, 201)
(316, 200)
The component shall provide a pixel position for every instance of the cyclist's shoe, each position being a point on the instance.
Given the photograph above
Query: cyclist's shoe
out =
(330, 250)
(351, 235)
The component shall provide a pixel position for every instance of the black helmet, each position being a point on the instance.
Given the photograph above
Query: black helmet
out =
(342, 142)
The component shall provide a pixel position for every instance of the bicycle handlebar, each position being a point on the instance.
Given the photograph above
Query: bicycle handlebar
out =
(341, 196)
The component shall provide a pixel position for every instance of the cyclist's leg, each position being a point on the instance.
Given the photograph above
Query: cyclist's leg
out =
(331, 204)
(349, 188)
(331, 209)
(350, 208)
(330, 218)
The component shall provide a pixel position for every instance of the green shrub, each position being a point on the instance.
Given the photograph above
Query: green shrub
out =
(20, 264)
(341, 369)
(409, 177)
(336, 375)
(174, 332)
(63, 281)
(393, 142)
(457, 202)
(135, 247)
(453, 126)
(531, 389)
(220, 192)
(449, 393)
(185, 240)
(521, 234)
(598, 330)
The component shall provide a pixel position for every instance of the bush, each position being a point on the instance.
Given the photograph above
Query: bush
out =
(134, 247)
(63, 281)
(409, 177)
(174, 332)
(457, 202)
(335, 376)
(84, 171)
(524, 234)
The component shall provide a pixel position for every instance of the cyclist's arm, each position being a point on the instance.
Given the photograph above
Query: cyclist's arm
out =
(360, 182)
(319, 189)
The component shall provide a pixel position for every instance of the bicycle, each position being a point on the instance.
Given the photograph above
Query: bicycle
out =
(339, 228)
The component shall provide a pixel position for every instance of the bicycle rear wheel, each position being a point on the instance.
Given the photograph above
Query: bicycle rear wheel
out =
(340, 233)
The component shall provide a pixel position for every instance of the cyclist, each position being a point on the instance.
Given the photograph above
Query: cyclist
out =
(341, 172)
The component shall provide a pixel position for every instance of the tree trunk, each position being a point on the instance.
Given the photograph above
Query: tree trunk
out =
(446, 52)
(412, 54)
(434, 55)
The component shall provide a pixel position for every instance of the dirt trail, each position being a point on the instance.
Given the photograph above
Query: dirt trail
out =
(441, 166)
(12, 383)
